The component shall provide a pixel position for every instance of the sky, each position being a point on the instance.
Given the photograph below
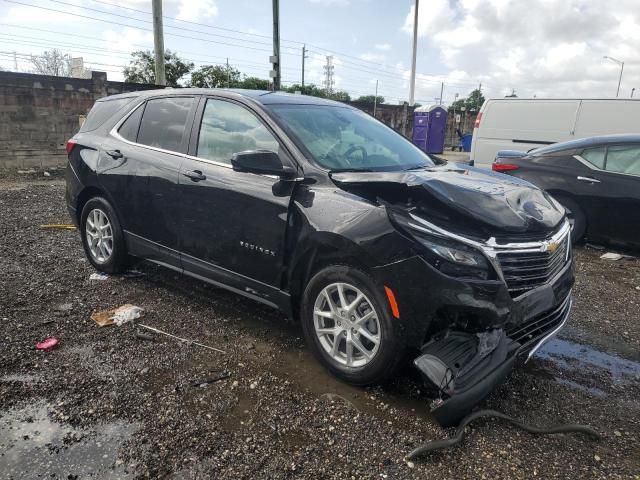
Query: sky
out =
(541, 48)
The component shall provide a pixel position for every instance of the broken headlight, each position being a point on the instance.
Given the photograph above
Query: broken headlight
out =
(452, 258)
(449, 256)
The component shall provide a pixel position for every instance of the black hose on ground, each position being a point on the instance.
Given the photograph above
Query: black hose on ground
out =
(459, 435)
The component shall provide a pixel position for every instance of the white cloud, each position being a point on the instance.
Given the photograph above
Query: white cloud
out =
(372, 57)
(383, 47)
(538, 47)
(192, 10)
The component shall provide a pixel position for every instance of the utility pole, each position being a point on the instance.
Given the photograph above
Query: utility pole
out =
(633, 90)
(375, 101)
(15, 63)
(158, 41)
(412, 85)
(441, 91)
(228, 73)
(621, 63)
(304, 55)
(620, 79)
(275, 59)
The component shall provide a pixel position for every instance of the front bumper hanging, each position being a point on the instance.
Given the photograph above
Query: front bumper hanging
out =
(466, 367)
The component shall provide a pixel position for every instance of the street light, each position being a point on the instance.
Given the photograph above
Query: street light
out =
(621, 63)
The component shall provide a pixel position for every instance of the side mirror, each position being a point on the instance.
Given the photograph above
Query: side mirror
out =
(263, 162)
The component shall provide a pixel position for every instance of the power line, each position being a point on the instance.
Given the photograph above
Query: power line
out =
(194, 23)
(102, 49)
(139, 28)
(126, 55)
(150, 21)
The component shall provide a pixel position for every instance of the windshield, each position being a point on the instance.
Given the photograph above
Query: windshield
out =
(344, 139)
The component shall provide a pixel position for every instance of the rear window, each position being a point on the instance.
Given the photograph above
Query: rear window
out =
(102, 111)
(164, 121)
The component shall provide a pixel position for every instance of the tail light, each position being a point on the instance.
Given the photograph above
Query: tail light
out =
(503, 167)
(477, 122)
(70, 144)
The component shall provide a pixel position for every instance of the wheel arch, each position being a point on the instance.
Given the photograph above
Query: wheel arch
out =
(322, 250)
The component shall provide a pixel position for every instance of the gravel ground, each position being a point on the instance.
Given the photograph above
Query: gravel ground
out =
(106, 404)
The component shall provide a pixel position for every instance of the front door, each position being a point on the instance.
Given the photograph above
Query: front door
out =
(613, 188)
(233, 223)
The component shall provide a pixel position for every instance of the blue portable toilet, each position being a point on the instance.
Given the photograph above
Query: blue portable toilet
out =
(429, 128)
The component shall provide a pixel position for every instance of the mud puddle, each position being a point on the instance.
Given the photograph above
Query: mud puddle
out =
(34, 446)
(303, 369)
(569, 355)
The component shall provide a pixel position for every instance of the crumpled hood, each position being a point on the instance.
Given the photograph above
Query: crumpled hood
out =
(457, 194)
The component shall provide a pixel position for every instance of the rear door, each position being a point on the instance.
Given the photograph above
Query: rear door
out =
(233, 223)
(155, 150)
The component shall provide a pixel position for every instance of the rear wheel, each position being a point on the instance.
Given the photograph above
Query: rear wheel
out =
(347, 324)
(102, 236)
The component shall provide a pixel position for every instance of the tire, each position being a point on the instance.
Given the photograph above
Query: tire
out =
(576, 217)
(106, 254)
(384, 359)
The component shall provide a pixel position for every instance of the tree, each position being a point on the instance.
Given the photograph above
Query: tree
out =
(255, 83)
(215, 76)
(309, 89)
(341, 96)
(472, 103)
(142, 69)
(369, 99)
(52, 62)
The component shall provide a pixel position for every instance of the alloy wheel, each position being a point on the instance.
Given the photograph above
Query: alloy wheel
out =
(346, 324)
(99, 235)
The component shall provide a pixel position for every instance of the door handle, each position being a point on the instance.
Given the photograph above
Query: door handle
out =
(115, 154)
(195, 175)
(588, 179)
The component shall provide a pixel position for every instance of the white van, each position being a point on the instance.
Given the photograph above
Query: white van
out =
(523, 124)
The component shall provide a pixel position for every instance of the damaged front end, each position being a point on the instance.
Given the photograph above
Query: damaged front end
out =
(464, 368)
(496, 272)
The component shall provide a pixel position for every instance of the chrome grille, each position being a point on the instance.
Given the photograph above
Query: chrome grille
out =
(524, 270)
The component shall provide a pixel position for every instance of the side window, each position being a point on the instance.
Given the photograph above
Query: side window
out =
(595, 156)
(163, 122)
(129, 129)
(623, 159)
(228, 128)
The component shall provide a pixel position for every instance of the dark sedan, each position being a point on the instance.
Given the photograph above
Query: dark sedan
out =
(596, 179)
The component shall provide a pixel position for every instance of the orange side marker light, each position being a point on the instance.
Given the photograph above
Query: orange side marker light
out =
(392, 302)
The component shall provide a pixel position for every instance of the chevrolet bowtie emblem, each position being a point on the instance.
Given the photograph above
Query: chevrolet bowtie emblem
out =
(551, 247)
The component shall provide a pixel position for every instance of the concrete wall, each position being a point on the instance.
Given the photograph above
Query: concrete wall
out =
(39, 113)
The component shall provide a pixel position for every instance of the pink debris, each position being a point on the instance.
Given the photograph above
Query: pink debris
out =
(48, 344)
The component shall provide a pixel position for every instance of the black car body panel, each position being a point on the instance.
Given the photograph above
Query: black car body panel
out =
(264, 236)
(610, 200)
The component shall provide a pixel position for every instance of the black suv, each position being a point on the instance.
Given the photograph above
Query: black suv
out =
(317, 209)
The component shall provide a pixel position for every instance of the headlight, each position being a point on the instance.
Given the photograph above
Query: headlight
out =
(455, 255)
(451, 257)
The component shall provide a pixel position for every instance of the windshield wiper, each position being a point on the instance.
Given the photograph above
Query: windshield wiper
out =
(419, 167)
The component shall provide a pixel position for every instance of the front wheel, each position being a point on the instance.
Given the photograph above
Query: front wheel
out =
(347, 323)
